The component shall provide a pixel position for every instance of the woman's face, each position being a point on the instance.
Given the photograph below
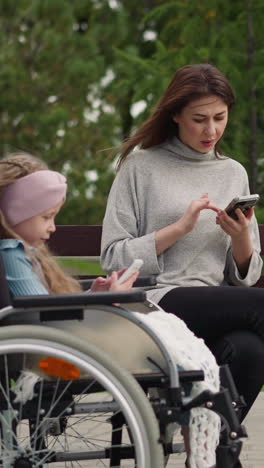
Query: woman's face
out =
(202, 123)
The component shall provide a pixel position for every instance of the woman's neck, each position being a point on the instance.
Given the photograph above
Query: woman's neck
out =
(186, 152)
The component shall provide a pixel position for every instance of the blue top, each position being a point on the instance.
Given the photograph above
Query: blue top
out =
(20, 274)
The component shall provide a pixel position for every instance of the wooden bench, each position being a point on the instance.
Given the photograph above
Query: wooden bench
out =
(85, 241)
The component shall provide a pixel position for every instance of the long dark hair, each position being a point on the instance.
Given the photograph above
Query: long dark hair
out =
(188, 83)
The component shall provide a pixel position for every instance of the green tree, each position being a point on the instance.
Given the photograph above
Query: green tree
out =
(63, 92)
(77, 77)
(226, 34)
(50, 78)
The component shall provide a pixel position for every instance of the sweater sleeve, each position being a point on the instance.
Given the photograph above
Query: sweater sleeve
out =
(22, 280)
(122, 240)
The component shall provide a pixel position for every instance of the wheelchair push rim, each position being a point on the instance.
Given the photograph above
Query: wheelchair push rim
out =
(55, 425)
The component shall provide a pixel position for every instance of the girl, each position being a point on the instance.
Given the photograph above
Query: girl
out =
(28, 209)
(30, 197)
(166, 206)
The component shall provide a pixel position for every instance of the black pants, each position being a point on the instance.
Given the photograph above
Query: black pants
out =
(231, 322)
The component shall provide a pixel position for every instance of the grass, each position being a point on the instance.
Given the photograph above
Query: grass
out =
(82, 266)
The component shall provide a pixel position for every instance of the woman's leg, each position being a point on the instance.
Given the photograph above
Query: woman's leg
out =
(211, 312)
(243, 351)
(231, 322)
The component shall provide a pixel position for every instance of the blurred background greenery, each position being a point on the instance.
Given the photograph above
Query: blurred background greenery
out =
(81, 266)
(76, 77)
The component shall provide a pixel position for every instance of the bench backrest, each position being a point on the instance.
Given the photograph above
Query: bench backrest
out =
(76, 241)
(85, 241)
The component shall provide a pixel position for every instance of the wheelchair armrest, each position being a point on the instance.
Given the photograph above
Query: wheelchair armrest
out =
(141, 282)
(144, 281)
(108, 297)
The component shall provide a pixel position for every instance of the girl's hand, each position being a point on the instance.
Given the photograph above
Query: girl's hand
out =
(100, 284)
(110, 282)
(126, 285)
(235, 228)
(191, 215)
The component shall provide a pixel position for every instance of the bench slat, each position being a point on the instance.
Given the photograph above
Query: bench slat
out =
(76, 241)
(261, 235)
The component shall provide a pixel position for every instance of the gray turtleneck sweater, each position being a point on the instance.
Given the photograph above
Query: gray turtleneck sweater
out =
(152, 190)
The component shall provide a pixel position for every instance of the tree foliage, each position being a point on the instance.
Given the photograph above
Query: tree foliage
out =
(76, 77)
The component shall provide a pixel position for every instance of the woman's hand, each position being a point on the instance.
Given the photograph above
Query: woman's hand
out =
(235, 228)
(110, 282)
(166, 237)
(191, 215)
(242, 248)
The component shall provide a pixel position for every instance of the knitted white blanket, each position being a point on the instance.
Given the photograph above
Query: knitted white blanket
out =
(191, 353)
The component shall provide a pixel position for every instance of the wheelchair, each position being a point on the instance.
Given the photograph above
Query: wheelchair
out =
(84, 383)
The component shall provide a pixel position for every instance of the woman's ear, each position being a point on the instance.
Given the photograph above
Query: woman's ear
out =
(175, 118)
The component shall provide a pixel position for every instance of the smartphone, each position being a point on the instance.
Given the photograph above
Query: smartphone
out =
(135, 266)
(244, 203)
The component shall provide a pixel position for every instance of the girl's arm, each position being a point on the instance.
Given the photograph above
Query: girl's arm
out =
(21, 277)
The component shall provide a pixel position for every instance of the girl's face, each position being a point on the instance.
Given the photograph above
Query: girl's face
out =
(202, 123)
(38, 229)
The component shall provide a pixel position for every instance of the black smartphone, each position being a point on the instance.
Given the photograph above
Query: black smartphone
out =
(244, 203)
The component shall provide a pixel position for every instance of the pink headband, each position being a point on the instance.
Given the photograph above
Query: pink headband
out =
(32, 195)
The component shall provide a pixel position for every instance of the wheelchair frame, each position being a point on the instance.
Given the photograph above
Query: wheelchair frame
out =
(80, 385)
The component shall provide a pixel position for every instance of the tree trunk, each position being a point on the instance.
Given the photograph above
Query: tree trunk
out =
(253, 118)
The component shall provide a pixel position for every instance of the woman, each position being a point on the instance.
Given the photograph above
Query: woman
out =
(166, 206)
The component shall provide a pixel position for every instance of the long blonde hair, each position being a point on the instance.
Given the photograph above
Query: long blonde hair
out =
(13, 167)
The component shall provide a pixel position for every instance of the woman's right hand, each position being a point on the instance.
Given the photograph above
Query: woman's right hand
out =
(166, 237)
(191, 215)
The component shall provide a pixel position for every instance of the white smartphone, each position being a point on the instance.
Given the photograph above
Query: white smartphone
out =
(244, 203)
(135, 266)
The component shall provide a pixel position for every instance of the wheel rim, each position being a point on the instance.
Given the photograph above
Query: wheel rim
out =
(16, 450)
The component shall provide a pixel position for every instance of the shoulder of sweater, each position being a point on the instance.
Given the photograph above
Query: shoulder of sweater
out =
(144, 154)
(10, 244)
(13, 250)
(142, 158)
(232, 163)
(136, 164)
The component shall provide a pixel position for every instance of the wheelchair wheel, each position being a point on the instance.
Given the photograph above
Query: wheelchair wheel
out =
(64, 403)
